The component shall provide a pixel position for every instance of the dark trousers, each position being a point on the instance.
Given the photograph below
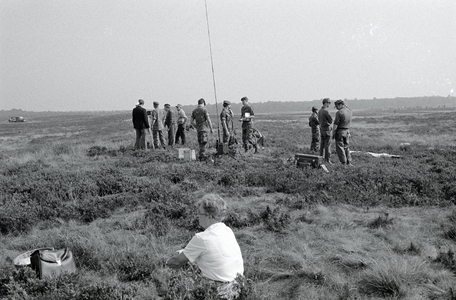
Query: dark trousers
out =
(180, 134)
(247, 138)
(140, 142)
(171, 135)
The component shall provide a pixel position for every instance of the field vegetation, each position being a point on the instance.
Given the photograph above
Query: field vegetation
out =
(382, 229)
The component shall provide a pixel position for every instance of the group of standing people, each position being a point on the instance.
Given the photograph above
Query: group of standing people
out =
(321, 123)
(161, 121)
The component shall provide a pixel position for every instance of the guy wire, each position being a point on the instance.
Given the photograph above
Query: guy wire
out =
(212, 66)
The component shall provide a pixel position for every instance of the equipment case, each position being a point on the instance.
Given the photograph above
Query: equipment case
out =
(308, 160)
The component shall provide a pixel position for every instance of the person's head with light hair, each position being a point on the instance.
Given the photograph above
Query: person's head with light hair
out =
(212, 206)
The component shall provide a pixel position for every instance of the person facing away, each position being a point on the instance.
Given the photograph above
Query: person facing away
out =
(325, 120)
(341, 133)
(315, 129)
(140, 124)
(215, 251)
(226, 118)
(181, 120)
(170, 124)
(247, 125)
(158, 118)
(202, 122)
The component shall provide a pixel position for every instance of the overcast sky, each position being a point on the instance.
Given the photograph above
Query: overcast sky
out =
(72, 55)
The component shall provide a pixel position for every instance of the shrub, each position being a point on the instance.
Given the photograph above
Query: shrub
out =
(134, 267)
(235, 220)
(17, 216)
(23, 284)
(390, 277)
(101, 150)
(92, 208)
(449, 227)
(189, 284)
(275, 220)
(381, 221)
(447, 259)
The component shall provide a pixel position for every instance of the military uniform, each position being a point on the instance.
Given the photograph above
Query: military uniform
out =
(226, 118)
(342, 134)
(170, 123)
(247, 128)
(314, 124)
(158, 117)
(325, 120)
(200, 115)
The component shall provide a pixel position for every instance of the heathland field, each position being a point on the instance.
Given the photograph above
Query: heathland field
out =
(382, 229)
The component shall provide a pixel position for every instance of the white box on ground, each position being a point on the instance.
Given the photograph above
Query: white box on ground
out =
(186, 154)
(189, 155)
(181, 152)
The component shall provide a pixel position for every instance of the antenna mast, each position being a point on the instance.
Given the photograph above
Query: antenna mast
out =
(212, 66)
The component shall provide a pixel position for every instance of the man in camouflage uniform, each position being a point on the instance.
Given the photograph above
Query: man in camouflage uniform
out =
(201, 121)
(325, 120)
(158, 117)
(315, 125)
(226, 118)
(247, 125)
(341, 132)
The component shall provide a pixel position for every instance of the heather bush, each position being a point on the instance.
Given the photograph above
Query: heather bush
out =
(191, 285)
(275, 220)
(447, 259)
(24, 284)
(449, 226)
(17, 215)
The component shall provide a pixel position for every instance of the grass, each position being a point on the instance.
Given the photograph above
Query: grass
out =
(384, 229)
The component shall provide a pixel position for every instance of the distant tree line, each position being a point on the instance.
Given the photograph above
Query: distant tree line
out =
(306, 106)
(275, 106)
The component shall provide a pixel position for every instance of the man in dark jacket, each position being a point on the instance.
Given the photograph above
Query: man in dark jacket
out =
(141, 124)
(315, 125)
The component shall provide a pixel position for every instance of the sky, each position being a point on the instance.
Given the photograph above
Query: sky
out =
(90, 55)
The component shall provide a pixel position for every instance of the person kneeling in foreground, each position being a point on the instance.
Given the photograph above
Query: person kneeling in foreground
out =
(215, 250)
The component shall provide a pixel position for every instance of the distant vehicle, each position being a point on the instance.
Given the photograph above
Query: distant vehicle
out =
(17, 119)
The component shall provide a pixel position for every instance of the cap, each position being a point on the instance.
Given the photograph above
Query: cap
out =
(314, 108)
(326, 100)
(179, 105)
(338, 102)
(156, 103)
(226, 102)
(244, 98)
(140, 102)
(167, 105)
